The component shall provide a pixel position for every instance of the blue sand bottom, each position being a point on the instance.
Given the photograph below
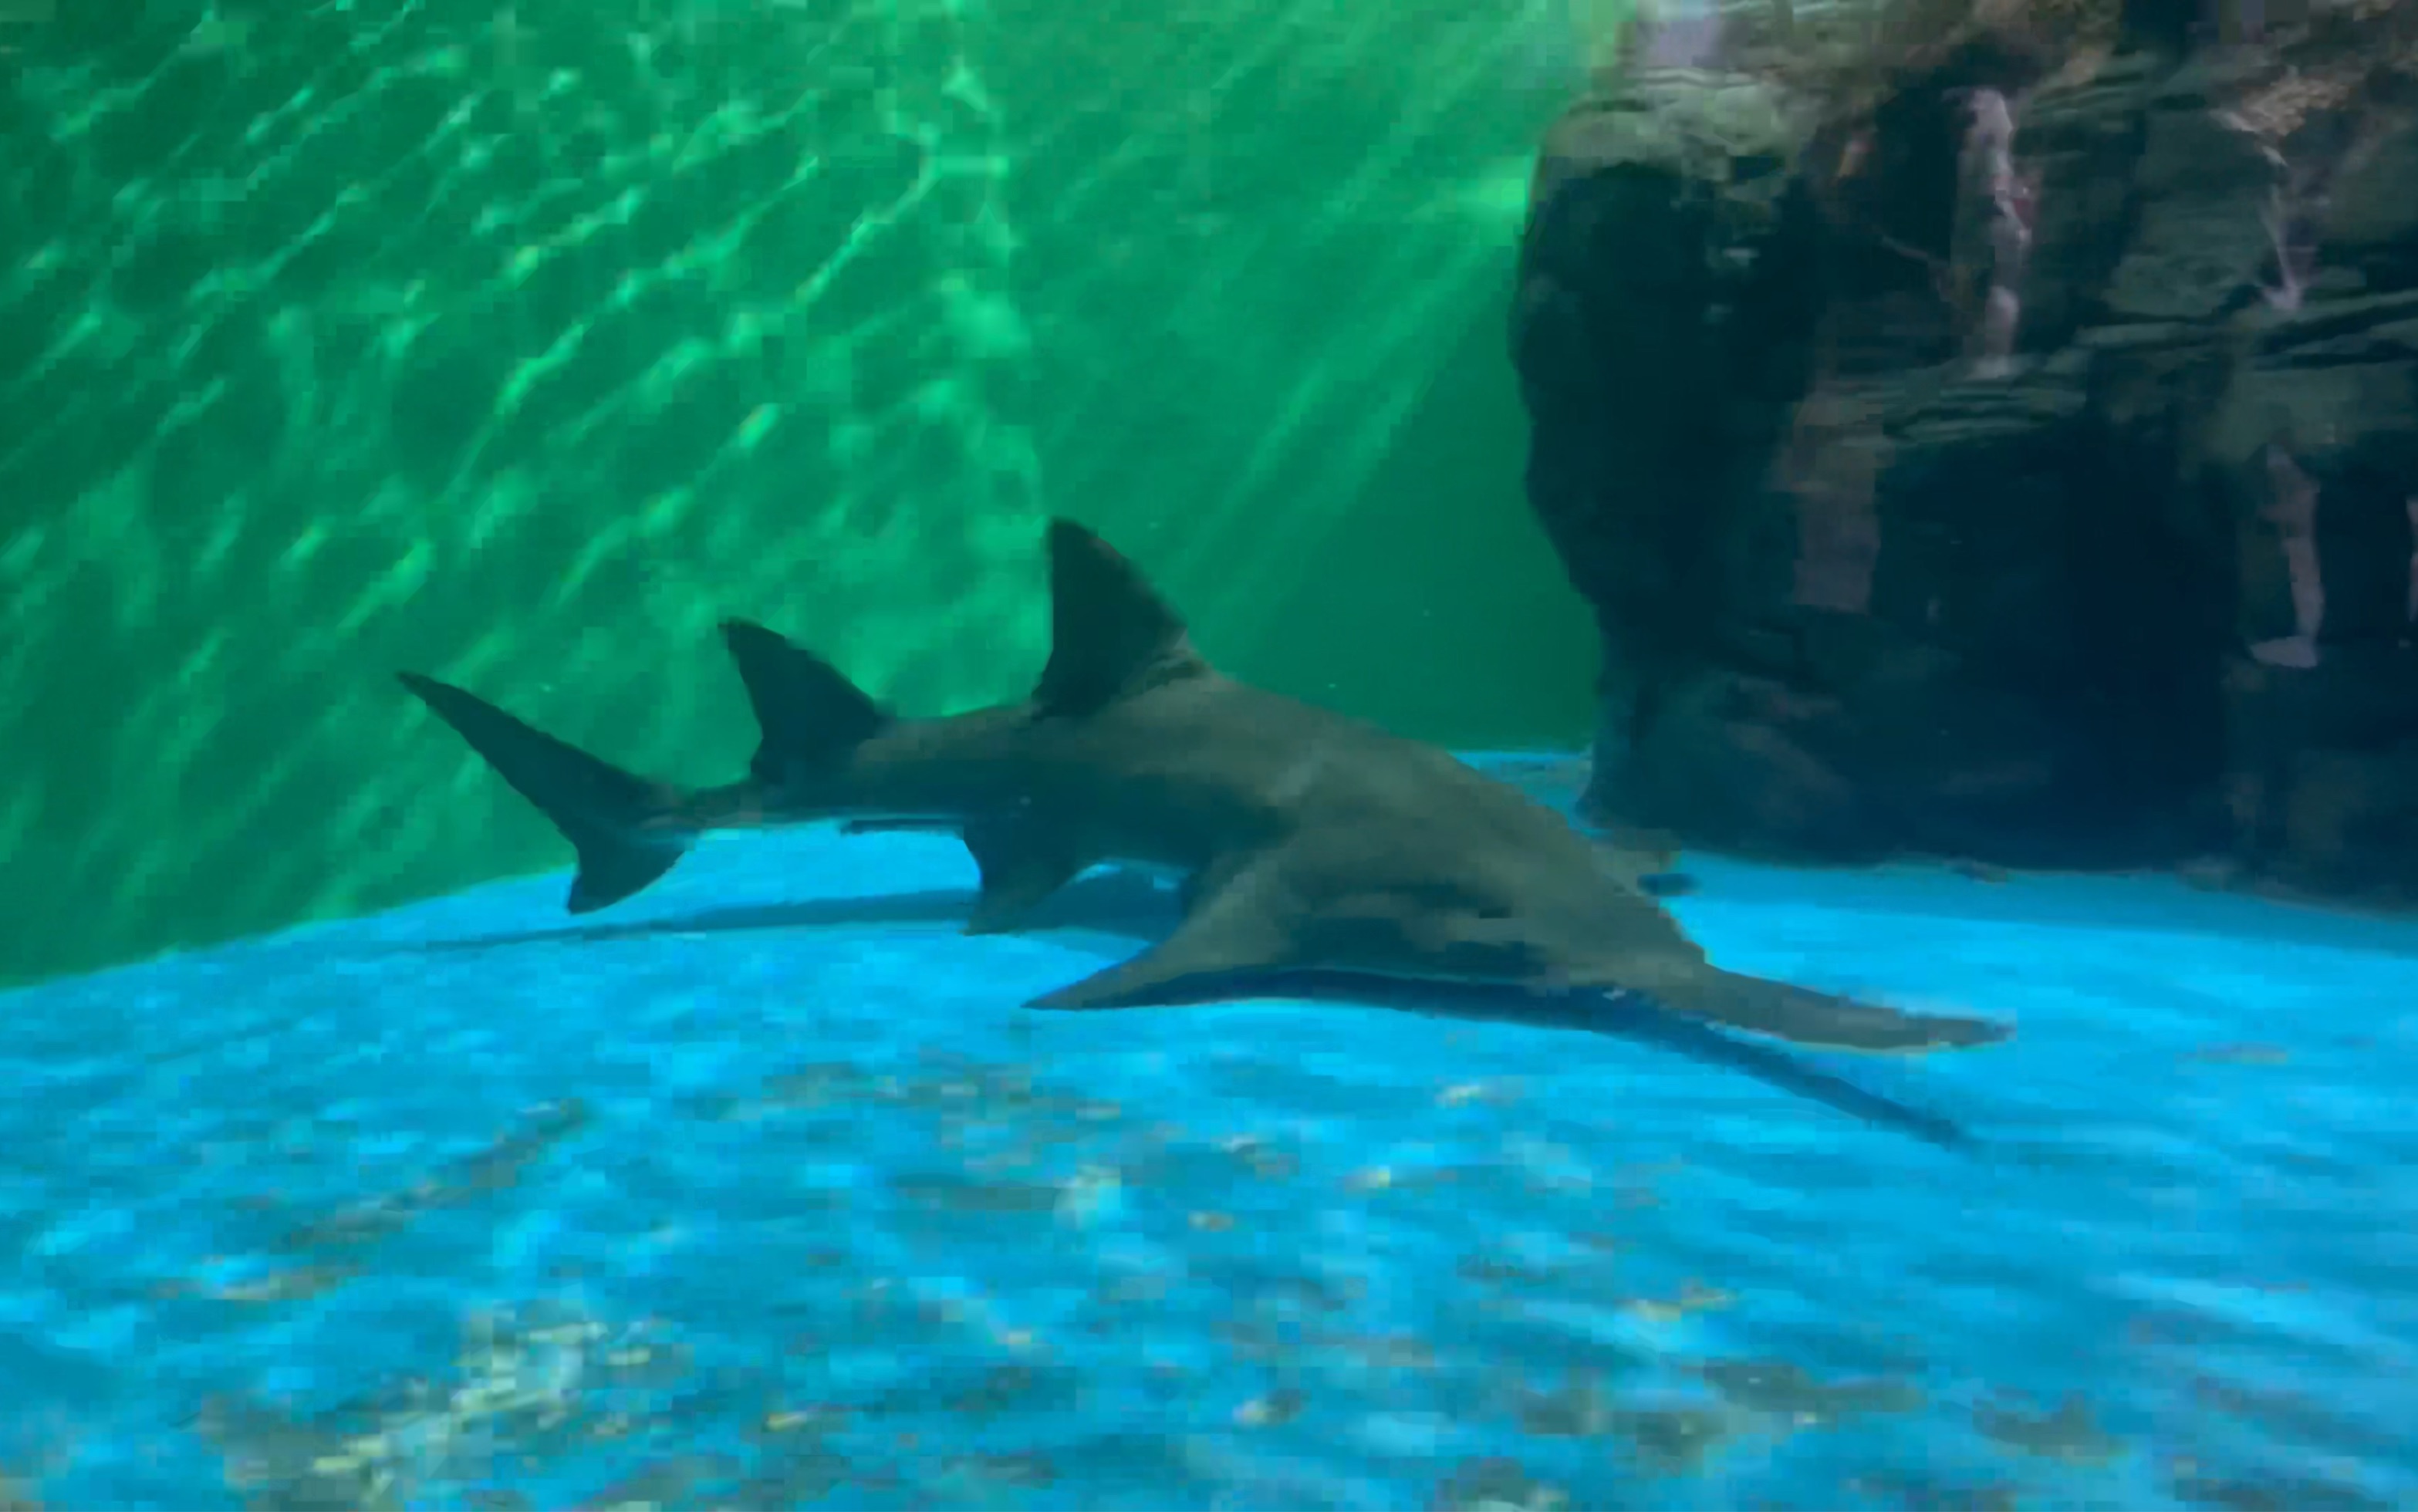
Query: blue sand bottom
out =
(762, 1191)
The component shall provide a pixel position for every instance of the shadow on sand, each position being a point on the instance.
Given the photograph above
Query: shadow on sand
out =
(1132, 905)
(1127, 904)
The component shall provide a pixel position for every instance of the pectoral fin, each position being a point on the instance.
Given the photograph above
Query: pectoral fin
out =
(1804, 1016)
(1236, 929)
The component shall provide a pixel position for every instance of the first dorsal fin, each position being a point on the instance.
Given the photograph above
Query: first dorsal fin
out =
(1111, 632)
(811, 714)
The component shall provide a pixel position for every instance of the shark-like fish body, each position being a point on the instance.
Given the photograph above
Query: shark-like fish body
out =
(1312, 847)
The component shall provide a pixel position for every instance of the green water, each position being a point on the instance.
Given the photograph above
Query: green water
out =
(519, 344)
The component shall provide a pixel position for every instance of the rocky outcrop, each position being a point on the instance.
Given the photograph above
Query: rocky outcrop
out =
(2019, 462)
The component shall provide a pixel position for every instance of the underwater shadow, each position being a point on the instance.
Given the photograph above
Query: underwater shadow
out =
(1613, 1011)
(1126, 904)
(1132, 905)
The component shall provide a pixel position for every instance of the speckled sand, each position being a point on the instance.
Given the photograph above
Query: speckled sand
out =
(762, 1188)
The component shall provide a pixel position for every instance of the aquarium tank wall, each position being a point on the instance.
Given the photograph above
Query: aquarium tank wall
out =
(1913, 1012)
(521, 341)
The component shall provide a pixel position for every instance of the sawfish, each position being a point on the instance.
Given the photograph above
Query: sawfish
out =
(1311, 848)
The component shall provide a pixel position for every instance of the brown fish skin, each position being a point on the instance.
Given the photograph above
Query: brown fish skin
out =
(1312, 845)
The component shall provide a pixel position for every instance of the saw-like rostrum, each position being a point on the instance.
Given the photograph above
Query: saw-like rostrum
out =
(1315, 848)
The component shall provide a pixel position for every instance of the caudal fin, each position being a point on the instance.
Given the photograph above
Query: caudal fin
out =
(601, 809)
(811, 714)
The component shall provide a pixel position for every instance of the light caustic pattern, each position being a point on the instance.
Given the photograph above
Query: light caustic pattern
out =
(513, 342)
(1259, 230)
(761, 1192)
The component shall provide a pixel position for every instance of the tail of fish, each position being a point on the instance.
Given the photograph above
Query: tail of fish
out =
(615, 820)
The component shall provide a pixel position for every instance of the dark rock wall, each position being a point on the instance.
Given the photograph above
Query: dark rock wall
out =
(2138, 589)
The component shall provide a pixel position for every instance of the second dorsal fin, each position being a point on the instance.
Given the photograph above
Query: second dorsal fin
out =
(811, 714)
(1111, 632)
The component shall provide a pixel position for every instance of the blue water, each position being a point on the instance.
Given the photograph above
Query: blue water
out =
(762, 1189)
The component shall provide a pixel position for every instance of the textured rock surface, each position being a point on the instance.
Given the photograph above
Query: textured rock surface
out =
(2141, 591)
